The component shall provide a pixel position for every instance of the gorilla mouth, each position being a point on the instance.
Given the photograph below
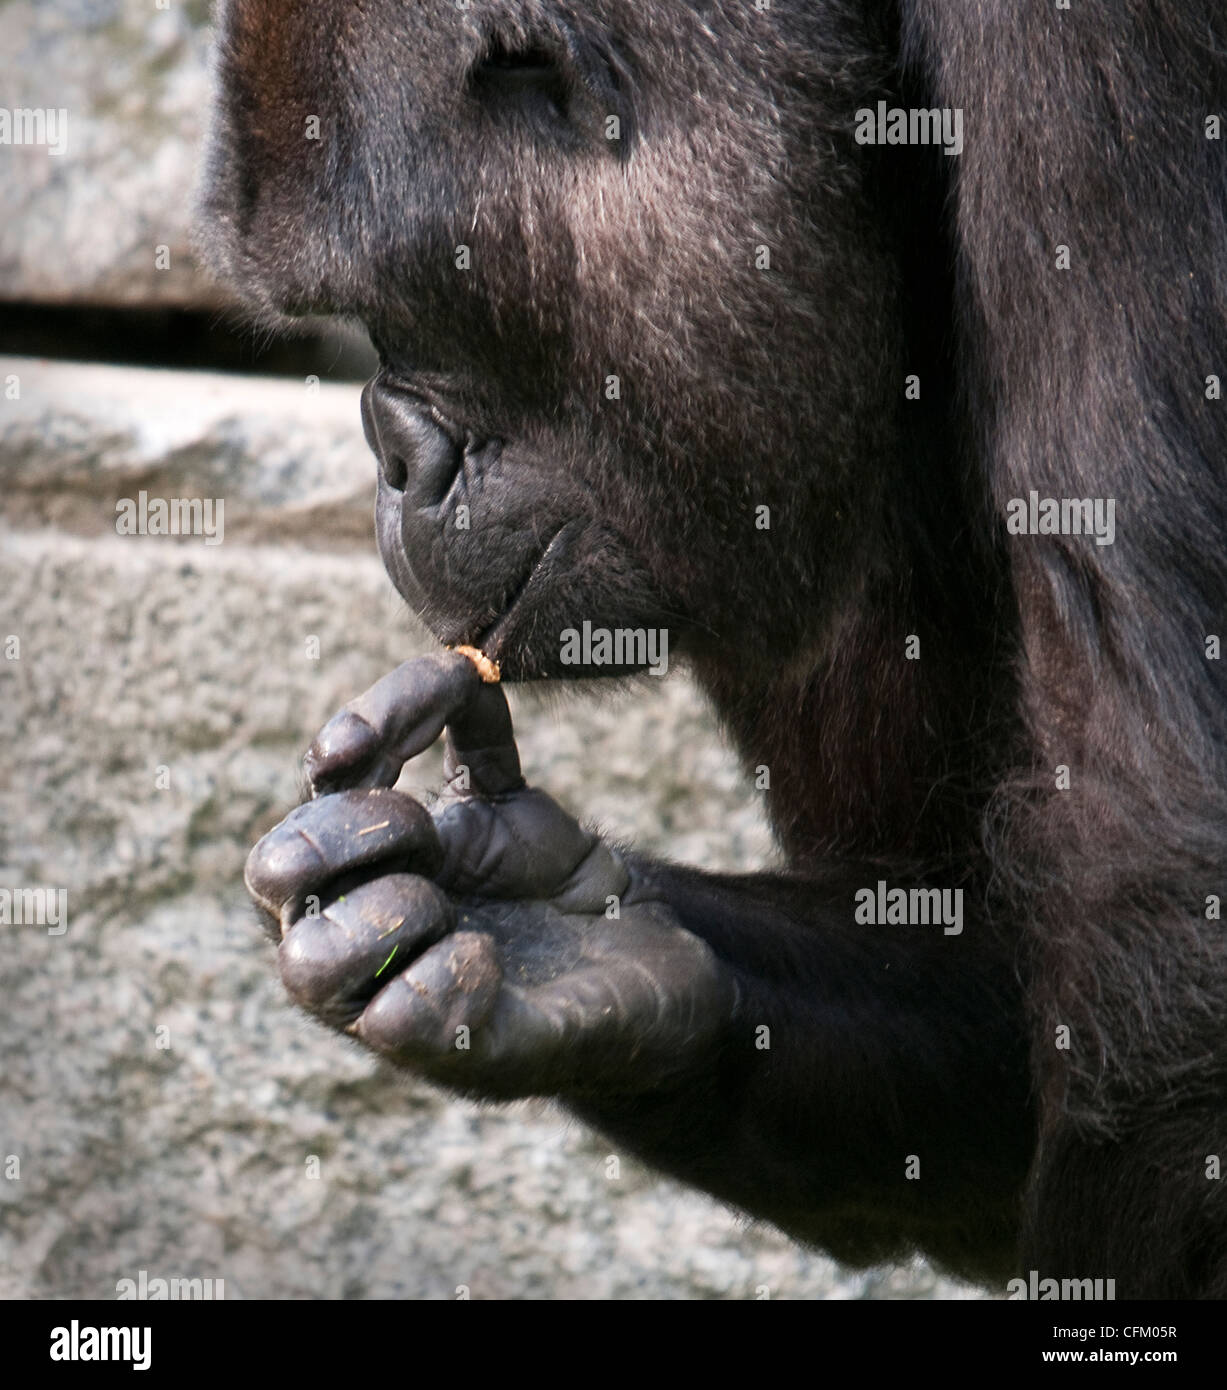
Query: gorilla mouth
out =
(467, 537)
(489, 640)
(496, 546)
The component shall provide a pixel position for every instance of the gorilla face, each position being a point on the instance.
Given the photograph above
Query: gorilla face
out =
(635, 300)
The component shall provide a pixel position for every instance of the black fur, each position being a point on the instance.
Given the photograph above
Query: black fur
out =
(744, 387)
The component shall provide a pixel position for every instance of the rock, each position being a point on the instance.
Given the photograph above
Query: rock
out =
(86, 224)
(287, 458)
(169, 1109)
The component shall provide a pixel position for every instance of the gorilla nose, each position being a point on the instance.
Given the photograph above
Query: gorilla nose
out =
(409, 442)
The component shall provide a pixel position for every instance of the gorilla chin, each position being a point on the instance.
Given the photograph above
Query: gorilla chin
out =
(491, 550)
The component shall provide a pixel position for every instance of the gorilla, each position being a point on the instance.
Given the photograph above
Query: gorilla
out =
(694, 321)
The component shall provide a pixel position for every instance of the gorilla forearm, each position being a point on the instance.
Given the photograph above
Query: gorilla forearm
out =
(850, 1049)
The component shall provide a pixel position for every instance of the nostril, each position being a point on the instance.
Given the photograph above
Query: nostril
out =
(408, 441)
(392, 467)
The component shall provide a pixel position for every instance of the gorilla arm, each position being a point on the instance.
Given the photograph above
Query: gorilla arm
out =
(864, 1088)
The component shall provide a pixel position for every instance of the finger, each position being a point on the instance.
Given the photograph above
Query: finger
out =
(480, 738)
(322, 841)
(471, 1013)
(428, 1014)
(333, 964)
(455, 1017)
(372, 738)
(524, 846)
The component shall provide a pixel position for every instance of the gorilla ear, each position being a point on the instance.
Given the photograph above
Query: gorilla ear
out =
(572, 82)
(507, 77)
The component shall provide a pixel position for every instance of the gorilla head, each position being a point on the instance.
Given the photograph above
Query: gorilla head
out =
(635, 291)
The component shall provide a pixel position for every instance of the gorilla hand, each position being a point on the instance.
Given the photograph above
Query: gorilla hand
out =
(478, 945)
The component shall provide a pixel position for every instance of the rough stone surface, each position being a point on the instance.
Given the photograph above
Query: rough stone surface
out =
(166, 1105)
(86, 224)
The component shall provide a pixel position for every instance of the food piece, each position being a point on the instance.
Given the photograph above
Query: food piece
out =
(488, 670)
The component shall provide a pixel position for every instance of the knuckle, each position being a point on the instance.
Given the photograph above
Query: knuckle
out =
(332, 964)
(283, 859)
(342, 750)
(432, 1010)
